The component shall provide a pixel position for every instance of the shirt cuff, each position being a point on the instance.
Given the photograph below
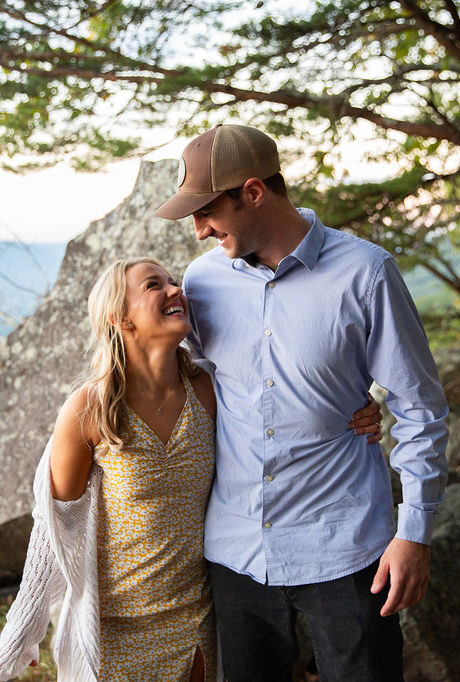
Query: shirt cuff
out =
(415, 524)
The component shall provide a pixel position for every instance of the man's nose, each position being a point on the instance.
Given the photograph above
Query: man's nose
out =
(202, 230)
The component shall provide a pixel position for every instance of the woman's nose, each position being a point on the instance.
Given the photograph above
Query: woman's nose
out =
(174, 289)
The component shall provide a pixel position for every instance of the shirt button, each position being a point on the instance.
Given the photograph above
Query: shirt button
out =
(272, 285)
(269, 478)
(267, 524)
(268, 332)
(270, 382)
(270, 432)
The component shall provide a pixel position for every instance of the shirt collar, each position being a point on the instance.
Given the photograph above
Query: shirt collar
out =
(307, 252)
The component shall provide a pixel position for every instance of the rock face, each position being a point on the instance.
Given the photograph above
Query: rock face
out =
(448, 362)
(43, 356)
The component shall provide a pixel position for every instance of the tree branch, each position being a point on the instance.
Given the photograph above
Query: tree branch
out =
(453, 11)
(443, 35)
(336, 108)
(448, 267)
(18, 286)
(90, 13)
(47, 30)
(442, 115)
(60, 72)
(455, 285)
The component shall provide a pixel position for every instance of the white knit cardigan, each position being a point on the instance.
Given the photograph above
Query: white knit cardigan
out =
(61, 558)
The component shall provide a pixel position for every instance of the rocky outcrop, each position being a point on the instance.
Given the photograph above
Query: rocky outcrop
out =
(42, 358)
(448, 362)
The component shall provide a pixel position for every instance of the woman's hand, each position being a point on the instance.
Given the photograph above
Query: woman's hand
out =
(368, 420)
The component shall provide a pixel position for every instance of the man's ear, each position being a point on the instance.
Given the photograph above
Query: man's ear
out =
(255, 191)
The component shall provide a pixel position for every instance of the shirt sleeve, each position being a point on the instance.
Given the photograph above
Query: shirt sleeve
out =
(192, 342)
(399, 359)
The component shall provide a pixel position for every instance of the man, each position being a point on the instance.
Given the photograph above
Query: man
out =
(298, 319)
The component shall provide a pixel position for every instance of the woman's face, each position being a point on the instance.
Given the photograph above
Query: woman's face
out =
(155, 304)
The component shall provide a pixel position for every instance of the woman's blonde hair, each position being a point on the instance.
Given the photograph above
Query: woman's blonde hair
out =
(106, 384)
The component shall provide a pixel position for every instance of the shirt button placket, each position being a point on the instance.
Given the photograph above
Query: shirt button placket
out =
(268, 415)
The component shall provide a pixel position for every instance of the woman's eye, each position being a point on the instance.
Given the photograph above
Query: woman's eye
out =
(151, 284)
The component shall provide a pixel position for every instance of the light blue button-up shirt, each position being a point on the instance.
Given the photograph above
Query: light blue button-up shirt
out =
(298, 497)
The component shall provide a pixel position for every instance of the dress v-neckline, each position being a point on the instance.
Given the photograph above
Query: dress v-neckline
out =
(176, 426)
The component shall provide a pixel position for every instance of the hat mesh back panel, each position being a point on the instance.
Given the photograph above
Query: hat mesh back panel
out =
(237, 156)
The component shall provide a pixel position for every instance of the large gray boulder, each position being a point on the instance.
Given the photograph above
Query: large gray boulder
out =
(43, 357)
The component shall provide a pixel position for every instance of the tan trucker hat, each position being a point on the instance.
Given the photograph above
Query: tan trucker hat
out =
(219, 159)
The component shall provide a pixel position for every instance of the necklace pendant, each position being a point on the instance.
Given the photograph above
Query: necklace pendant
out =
(159, 412)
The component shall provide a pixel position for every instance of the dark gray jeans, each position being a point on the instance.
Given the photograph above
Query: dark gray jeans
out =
(351, 641)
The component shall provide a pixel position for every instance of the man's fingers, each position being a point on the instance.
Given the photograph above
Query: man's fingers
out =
(380, 578)
(402, 595)
(399, 598)
(409, 566)
(390, 606)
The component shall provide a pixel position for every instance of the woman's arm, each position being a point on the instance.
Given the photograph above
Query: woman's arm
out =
(72, 449)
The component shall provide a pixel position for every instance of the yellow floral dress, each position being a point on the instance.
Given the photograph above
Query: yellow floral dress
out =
(155, 603)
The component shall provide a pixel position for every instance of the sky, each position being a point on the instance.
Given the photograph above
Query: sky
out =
(56, 204)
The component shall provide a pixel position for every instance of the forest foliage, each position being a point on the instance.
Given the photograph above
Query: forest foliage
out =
(93, 81)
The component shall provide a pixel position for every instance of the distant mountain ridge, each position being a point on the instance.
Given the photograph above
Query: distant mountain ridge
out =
(29, 268)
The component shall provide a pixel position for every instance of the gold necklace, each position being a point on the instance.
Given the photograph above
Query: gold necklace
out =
(159, 412)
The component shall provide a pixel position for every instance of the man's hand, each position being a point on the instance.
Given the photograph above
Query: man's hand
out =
(368, 420)
(408, 564)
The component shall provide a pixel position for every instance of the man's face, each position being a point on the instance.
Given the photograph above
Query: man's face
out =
(233, 223)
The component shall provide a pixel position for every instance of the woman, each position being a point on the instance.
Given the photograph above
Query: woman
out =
(121, 493)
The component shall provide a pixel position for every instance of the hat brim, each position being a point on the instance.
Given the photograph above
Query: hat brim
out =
(184, 204)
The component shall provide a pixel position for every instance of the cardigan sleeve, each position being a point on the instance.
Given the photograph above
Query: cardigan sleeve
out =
(27, 620)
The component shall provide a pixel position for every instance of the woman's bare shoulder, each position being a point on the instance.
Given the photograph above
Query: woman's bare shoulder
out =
(74, 416)
(72, 451)
(202, 385)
